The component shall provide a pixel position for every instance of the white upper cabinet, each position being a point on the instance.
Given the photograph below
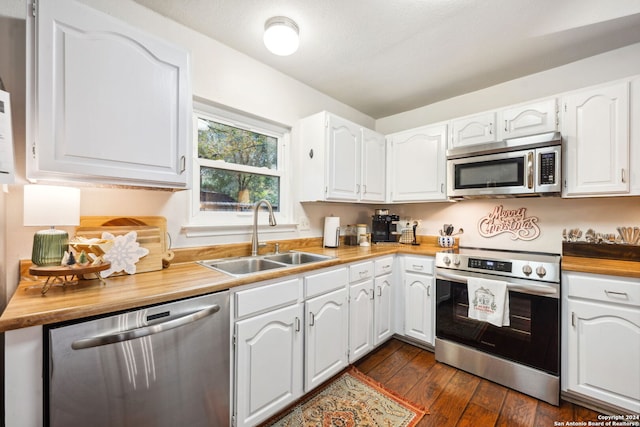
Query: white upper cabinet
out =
(108, 103)
(417, 164)
(529, 119)
(595, 125)
(341, 161)
(374, 161)
(471, 130)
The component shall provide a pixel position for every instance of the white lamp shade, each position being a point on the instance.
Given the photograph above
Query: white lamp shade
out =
(49, 205)
(281, 35)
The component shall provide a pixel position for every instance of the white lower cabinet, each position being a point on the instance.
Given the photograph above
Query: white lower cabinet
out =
(601, 345)
(419, 301)
(370, 305)
(361, 309)
(293, 334)
(382, 309)
(326, 336)
(268, 350)
(269, 363)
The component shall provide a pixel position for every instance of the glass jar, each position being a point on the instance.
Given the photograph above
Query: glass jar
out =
(350, 235)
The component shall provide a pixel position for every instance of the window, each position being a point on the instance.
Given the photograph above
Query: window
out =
(239, 160)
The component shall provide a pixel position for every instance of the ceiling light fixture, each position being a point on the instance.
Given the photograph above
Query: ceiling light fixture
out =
(281, 35)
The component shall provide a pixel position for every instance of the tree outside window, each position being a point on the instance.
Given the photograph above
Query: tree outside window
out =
(238, 167)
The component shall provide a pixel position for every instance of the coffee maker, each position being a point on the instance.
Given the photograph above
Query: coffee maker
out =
(384, 227)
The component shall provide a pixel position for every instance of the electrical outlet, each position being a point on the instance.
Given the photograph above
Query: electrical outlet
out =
(303, 224)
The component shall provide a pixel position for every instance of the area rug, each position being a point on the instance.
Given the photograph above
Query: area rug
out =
(352, 399)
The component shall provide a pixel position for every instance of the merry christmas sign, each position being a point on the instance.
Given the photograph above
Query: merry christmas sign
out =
(512, 221)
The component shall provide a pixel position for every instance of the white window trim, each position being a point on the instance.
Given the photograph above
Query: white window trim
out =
(218, 223)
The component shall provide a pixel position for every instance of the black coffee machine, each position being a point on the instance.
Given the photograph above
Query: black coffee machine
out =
(384, 227)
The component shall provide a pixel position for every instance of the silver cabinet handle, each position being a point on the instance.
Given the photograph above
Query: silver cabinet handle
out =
(429, 290)
(616, 294)
(379, 291)
(312, 321)
(624, 179)
(183, 164)
(297, 324)
(417, 267)
(143, 331)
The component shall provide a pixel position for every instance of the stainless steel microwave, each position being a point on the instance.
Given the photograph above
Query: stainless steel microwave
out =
(529, 166)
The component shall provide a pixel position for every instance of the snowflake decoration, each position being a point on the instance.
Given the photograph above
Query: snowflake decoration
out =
(124, 254)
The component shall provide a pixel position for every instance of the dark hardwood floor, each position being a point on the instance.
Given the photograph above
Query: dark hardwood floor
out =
(456, 398)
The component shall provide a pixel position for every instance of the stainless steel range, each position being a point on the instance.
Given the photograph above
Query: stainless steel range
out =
(525, 355)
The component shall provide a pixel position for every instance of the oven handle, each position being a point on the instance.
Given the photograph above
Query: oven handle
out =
(533, 289)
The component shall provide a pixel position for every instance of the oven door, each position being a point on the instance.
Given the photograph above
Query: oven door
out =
(532, 338)
(494, 174)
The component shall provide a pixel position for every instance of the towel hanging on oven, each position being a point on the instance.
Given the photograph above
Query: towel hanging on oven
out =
(488, 301)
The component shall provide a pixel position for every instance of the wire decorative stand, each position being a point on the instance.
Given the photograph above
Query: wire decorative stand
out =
(63, 275)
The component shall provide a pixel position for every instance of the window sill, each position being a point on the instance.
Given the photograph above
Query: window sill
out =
(233, 230)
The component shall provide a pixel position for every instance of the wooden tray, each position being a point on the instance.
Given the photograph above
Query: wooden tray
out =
(601, 250)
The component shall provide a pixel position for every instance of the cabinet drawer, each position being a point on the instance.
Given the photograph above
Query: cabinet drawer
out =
(383, 266)
(361, 271)
(266, 297)
(596, 287)
(316, 284)
(418, 264)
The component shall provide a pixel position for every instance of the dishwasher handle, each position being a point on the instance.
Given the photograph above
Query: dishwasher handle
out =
(144, 331)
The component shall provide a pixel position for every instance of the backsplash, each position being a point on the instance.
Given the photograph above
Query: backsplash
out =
(527, 224)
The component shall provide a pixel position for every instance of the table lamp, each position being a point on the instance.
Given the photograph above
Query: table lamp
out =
(49, 205)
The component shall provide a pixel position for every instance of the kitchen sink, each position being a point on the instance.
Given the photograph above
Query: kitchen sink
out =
(297, 257)
(255, 264)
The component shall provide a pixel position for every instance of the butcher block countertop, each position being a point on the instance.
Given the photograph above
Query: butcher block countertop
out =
(185, 278)
(182, 279)
(611, 267)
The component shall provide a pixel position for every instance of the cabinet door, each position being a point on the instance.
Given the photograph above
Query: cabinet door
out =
(360, 319)
(268, 364)
(595, 126)
(374, 160)
(343, 162)
(604, 353)
(418, 310)
(478, 129)
(530, 119)
(634, 136)
(383, 309)
(418, 159)
(112, 104)
(326, 336)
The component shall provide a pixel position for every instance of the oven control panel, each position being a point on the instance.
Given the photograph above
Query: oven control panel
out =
(492, 265)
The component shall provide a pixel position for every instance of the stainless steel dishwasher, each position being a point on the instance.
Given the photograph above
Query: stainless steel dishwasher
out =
(164, 365)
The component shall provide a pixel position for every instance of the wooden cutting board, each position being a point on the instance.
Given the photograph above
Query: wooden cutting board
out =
(151, 234)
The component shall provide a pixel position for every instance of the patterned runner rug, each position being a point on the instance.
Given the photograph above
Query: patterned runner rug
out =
(352, 399)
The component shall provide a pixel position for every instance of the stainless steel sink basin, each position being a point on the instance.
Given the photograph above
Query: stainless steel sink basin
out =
(297, 258)
(241, 266)
(256, 264)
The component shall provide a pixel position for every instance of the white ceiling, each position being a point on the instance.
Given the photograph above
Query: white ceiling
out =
(384, 57)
